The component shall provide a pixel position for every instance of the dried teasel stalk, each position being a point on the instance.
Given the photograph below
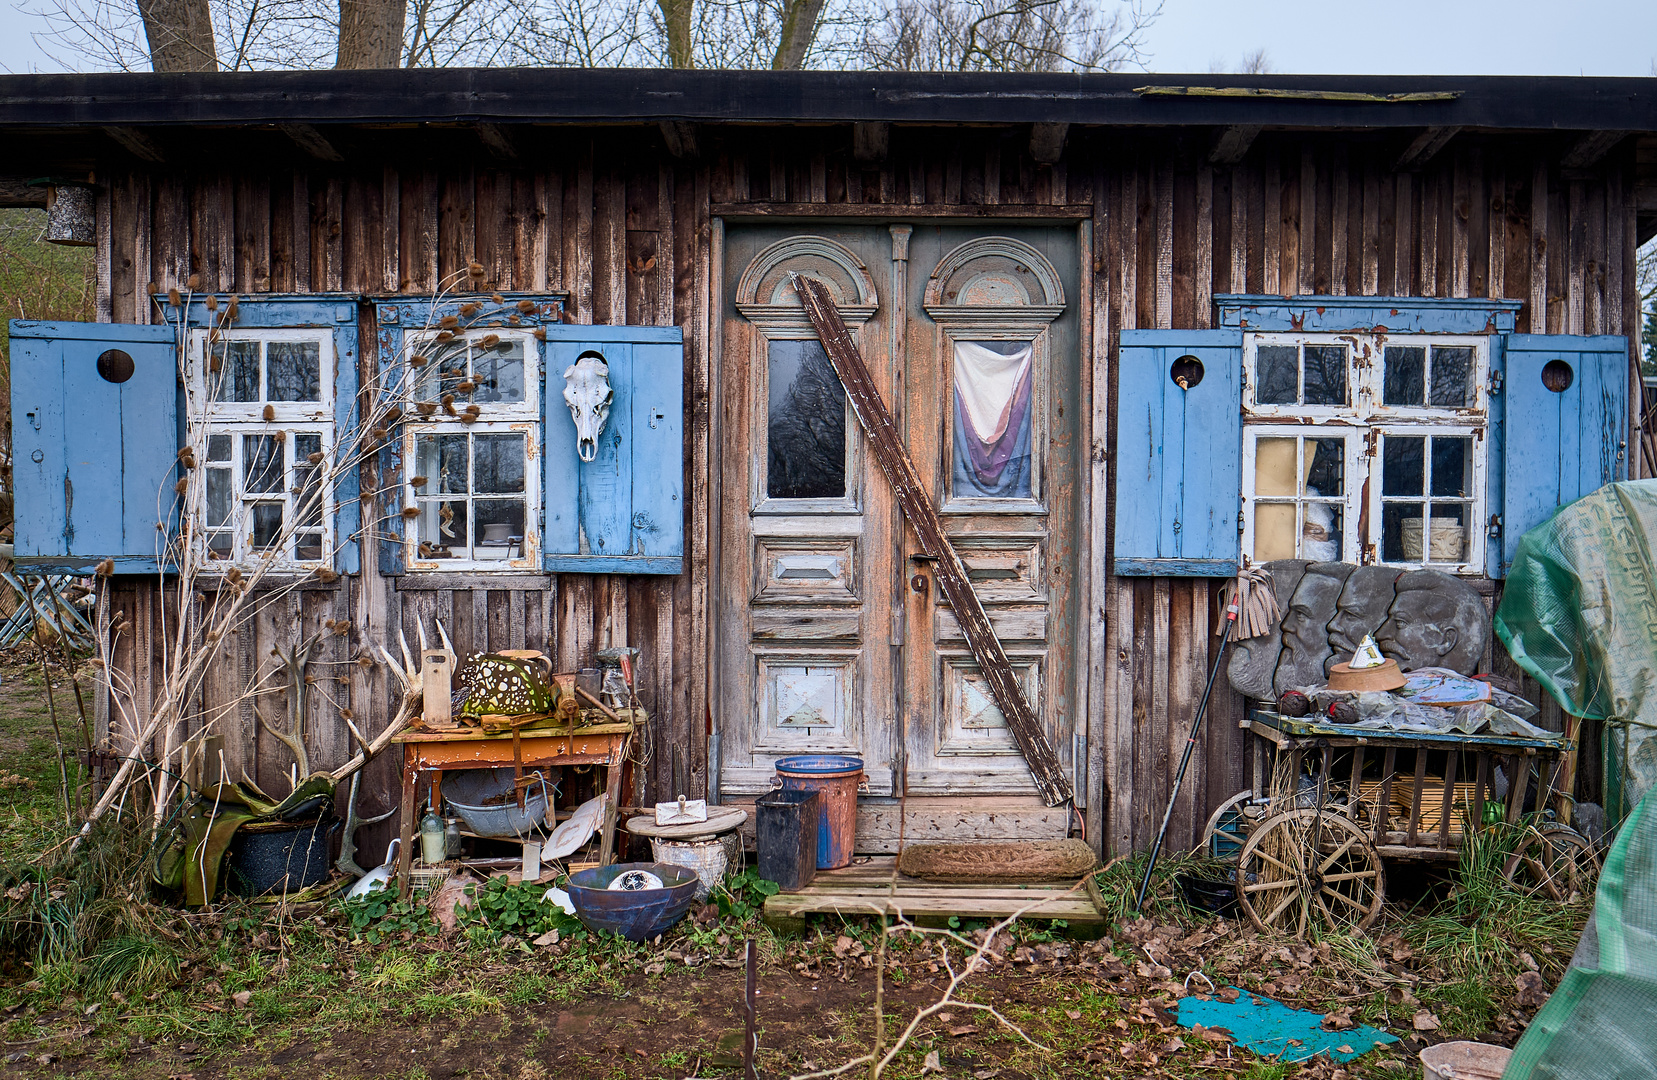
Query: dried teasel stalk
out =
(465, 386)
(417, 360)
(270, 413)
(182, 486)
(233, 575)
(470, 308)
(174, 298)
(445, 336)
(193, 282)
(212, 302)
(498, 298)
(393, 414)
(315, 457)
(540, 333)
(426, 408)
(418, 481)
(489, 341)
(468, 418)
(475, 269)
(449, 322)
(411, 511)
(326, 576)
(526, 306)
(513, 320)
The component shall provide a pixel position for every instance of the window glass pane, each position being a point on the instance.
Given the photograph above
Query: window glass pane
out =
(1401, 532)
(293, 370)
(1274, 531)
(1449, 534)
(218, 448)
(218, 497)
(307, 547)
(1326, 466)
(1402, 467)
(1277, 367)
(805, 423)
(500, 528)
(233, 371)
(220, 545)
(1274, 467)
(1320, 532)
(1404, 375)
(267, 526)
(261, 464)
(498, 372)
(1452, 465)
(498, 463)
(443, 371)
(1452, 376)
(307, 479)
(441, 459)
(442, 529)
(994, 388)
(1326, 374)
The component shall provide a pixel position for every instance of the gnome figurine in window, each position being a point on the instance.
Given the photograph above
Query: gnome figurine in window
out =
(588, 393)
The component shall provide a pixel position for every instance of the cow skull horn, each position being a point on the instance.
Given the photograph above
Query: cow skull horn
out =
(588, 393)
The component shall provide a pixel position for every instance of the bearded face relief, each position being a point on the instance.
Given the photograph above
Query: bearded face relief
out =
(1306, 625)
(588, 393)
(1254, 660)
(1361, 607)
(1435, 621)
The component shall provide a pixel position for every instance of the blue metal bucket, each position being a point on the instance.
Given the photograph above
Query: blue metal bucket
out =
(835, 778)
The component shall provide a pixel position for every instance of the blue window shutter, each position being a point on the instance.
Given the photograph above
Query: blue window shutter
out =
(1178, 455)
(622, 512)
(94, 461)
(1559, 445)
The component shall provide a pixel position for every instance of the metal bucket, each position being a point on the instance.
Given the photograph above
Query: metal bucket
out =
(490, 806)
(707, 856)
(836, 778)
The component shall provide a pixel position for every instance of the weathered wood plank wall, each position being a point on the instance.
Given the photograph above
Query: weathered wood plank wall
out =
(624, 229)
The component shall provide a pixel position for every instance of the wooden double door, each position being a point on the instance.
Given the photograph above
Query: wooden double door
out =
(830, 633)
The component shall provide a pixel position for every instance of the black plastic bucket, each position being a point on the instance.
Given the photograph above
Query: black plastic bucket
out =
(281, 856)
(1215, 895)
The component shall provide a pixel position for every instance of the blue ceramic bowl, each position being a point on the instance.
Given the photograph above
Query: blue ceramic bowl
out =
(636, 916)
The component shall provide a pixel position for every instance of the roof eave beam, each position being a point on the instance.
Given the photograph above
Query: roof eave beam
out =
(1588, 150)
(136, 143)
(310, 140)
(1232, 144)
(1424, 147)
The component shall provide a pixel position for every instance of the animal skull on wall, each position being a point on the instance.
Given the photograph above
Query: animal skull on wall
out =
(588, 393)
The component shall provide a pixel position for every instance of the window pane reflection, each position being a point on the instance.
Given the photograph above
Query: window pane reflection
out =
(805, 423)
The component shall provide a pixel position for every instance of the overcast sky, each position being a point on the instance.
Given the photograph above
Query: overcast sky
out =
(1304, 37)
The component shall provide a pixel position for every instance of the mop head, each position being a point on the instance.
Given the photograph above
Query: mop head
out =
(1256, 603)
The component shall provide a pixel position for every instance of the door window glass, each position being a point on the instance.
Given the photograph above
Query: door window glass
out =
(992, 399)
(805, 429)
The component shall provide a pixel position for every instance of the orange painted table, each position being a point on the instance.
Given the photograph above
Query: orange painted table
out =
(428, 754)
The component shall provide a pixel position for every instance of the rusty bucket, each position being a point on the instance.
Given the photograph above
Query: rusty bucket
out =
(836, 778)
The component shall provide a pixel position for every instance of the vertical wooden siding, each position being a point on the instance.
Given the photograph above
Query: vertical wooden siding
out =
(625, 230)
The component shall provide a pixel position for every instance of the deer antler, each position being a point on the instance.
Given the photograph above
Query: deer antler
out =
(294, 742)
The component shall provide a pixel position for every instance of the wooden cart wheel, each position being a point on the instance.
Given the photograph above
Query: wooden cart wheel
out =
(1554, 861)
(1310, 866)
(1233, 833)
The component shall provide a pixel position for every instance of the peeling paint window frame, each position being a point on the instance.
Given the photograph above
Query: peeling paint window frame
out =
(205, 417)
(1365, 421)
(496, 418)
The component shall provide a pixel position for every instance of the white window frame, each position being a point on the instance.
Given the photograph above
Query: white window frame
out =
(205, 417)
(1365, 422)
(497, 418)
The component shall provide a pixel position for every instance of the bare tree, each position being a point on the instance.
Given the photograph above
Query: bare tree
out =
(180, 35)
(1007, 35)
(370, 33)
(248, 34)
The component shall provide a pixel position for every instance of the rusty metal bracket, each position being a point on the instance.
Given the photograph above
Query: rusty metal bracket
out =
(929, 528)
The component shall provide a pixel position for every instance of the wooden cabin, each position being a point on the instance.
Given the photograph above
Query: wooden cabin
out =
(1031, 265)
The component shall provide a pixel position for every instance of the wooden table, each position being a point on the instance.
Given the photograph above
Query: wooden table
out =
(429, 754)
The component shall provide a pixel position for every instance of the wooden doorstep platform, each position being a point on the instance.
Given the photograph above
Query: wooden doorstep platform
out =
(866, 888)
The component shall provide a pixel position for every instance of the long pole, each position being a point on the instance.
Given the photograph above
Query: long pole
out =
(1190, 744)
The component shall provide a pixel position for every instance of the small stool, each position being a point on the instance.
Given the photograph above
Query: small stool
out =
(707, 847)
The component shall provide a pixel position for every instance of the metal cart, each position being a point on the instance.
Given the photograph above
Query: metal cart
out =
(1312, 845)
